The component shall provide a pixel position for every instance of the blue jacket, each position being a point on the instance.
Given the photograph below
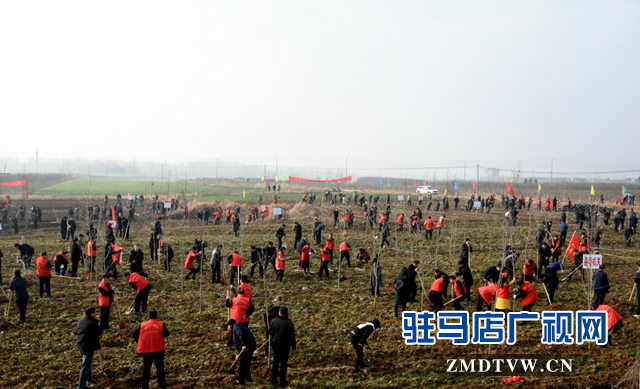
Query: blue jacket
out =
(555, 266)
(26, 250)
(242, 336)
(601, 281)
(563, 227)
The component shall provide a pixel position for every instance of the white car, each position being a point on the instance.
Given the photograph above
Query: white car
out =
(427, 189)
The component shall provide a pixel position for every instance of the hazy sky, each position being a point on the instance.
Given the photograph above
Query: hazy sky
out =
(415, 81)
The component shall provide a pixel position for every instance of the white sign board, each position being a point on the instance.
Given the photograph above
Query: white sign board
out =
(0, 226)
(477, 204)
(277, 211)
(591, 261)
(167, 205)
(400, 197)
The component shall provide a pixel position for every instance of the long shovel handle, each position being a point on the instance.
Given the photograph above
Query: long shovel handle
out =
(9, 307)
(632, 290)
(236, 360)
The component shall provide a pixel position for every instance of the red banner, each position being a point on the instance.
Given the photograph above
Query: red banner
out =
(291, 178)
(15, 183)
(511, 190)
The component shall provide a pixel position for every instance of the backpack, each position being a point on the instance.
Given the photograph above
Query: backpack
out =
(399, 285)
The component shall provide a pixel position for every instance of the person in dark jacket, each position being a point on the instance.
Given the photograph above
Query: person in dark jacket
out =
(14, 222)
(71, 229)
(268, 317)
(26, 252)
(358, 338)
(493, 273)
(135, 259)
(1, 255)
(413, 286)
(245, 343)
(76, 257)
(375, 280)
(600, 285)
(167, 251)
(297, 230)
(88, 341)
(467, 279)
(283, 340)
(20, 294)
(636, 280)
(466, 250)
(550, 282)
(401, 285)
(628, 233)
(577, 264)
(544, 253)
(63, 228)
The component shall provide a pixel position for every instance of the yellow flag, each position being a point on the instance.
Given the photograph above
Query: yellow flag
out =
(445, 191)
(262, 178)
(352, 180)
(539, 188)
(276, 178)
(243, 194)
(593, 192)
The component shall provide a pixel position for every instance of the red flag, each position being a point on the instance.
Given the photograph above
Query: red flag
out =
(549, 199)
(415, 183)
(575, 244)
(14, 183)
(511, 190)
(113, 213)
(117, 258)
(425, 182)
(474, 184)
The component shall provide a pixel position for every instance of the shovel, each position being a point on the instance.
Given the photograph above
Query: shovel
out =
(9, 307)
(235, 360)
(102, 364)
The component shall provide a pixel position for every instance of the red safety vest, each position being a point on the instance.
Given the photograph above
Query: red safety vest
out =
(104, 301)
(265, 213)
(343, 246)
(188, 263)
(138, 281)
(487, 292)
(116, 257)
(441, 221)
(247, 289)
(586, 244)
(456, 288)
(325, 256)
(331, 243)
(41, 264)
(236, 260)
(91, 251)
(429, 224)
(62, 255)
(437, 285)
(503, 292)
(381, 219)
(531, 296)
(151, 339)
(529, 270)
(305, 253)
(400, 219)
(612, 315)
(239, 306)
(280, 259)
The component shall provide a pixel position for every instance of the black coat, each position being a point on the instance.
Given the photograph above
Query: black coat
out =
(89, 332)
(136, 258)
(402, 296)
(465, 272)
(601, 281)
(283, 335)
(76, 253)
(465, 251)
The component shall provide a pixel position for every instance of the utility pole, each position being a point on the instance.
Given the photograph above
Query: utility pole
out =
(107, 170)
(477, 178)
(37, 170)
(216, 168)
(346, 164)
(162, 172)
(464, 176)
(134, 166)
(551, 169)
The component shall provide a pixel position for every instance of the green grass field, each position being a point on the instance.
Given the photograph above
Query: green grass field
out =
(101, 186)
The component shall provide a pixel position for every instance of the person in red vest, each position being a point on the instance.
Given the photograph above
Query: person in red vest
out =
(585, 244)
(244, 285)
(400, 222)
(241, 307)
(527, 293)
(265, 213)
(150, 338)
(236, 266)
(138, 282)
(344, 253)
(305, 257)
(61, 263)
(487, 294)
(556, 248)
(186, 212)
(440, 224)
(188, 264)
(529, 269)
(614, 320)
(281, 258)
(275, 199)
(363, 255)
(569, 202)
(92, 253)
(43, 267)
(106, 293)
(428, 225)
(459, 291)
(381, 221)
(435, 293)
(331, 244)
(325, 258)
